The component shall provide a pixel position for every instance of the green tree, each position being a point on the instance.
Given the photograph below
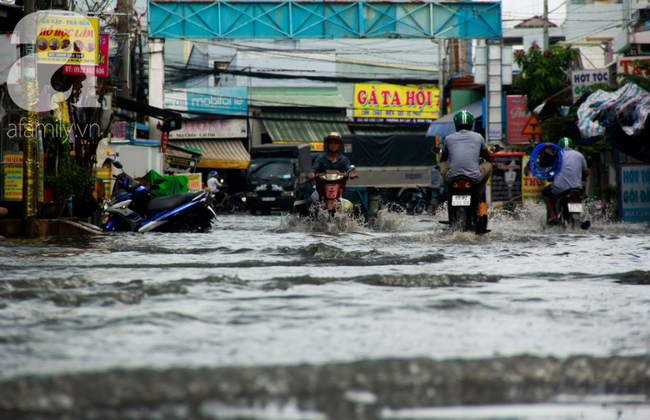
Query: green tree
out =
(544, 74)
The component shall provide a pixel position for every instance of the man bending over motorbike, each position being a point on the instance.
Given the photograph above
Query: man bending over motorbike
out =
(214, 185)
(463, 149)
(571, 175)
(331, 158)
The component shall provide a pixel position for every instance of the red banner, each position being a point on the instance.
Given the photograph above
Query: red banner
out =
(163, 142)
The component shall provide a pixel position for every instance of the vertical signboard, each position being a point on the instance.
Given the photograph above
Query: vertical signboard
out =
(518, 117)
(635, 193)
(99, 70)
(13, 188)
(531, 186)
(505, 183)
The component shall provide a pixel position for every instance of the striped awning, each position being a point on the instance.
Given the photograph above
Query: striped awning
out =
(218, 153)
(300, 128)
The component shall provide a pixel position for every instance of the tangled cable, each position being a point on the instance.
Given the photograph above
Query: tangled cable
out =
(545, 172)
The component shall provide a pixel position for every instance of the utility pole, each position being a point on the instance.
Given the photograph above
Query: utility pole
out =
(124, 33)
(29, 122)
(545, 41)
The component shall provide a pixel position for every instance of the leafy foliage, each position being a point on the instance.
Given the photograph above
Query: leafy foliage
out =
(543, 73)
(61, 173)
(72, 180)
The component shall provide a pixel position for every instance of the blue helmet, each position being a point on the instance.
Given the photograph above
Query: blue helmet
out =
(212, 174)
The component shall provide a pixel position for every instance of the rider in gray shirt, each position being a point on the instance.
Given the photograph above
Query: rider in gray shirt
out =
(463, 149)
(573, 172)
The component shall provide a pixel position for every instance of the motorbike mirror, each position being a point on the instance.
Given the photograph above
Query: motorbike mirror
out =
(435, 150)
(352, 168)
(117, 164)
(155, 187)
(159, 181)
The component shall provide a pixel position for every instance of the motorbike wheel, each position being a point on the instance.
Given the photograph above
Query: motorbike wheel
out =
(196, 223)
(230, 204)
(419, 208)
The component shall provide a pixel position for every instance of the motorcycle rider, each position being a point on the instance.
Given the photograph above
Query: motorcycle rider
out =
(463, 149)
(572, 174)
(331, 158)
(214, 185)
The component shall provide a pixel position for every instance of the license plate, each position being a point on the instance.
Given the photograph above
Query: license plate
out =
(461, 200)
(575, 207)
(268, 198)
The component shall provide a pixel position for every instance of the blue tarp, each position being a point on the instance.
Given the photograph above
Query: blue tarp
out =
(445, 125)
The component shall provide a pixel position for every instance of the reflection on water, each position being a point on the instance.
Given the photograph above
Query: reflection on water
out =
(282, 317)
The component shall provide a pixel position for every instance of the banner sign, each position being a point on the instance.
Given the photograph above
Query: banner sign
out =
(581, 79)
(518, 117)
(505, 182)
(99, 70)
(216, 100)
(635, 193)
(395, 103)
(206, 129)
(67, 39)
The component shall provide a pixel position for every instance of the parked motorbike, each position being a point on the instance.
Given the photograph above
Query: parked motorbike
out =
(240, 201)
(419, 202)
(333, 185)
(569, 209)
(134, 208)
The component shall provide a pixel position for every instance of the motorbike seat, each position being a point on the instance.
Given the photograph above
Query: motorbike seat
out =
(170, 202)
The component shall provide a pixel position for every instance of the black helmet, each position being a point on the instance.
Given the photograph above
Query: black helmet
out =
(332, 136)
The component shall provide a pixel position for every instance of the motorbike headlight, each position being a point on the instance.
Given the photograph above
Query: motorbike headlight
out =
(286, 193)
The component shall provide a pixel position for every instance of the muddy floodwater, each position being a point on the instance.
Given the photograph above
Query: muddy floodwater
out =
(274, 317)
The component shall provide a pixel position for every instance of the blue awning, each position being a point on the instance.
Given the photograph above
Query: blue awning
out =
(445, 125)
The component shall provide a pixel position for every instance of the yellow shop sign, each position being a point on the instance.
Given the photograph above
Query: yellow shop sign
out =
(396, 103)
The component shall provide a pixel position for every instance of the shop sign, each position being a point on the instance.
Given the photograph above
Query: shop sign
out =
(180, 162)
(582, 79)
(67, 39)
(204, 129)
(635, 193)
(99, 70)
(626, 65)
(518, 116)
(216, 100)
(383, 103)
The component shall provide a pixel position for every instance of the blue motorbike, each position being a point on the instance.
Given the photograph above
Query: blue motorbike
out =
(134, 208)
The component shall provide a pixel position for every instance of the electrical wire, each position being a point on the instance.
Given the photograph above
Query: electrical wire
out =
(545, 172)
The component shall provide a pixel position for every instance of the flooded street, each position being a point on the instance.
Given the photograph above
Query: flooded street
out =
(276, 317)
